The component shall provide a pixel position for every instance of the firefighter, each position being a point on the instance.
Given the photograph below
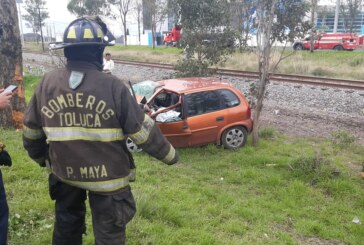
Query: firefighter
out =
(76, 125)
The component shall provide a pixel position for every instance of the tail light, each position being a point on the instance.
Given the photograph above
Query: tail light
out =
(249, 111)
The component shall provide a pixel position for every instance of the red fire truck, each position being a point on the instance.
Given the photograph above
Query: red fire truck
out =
(336, 41)
(173, 37)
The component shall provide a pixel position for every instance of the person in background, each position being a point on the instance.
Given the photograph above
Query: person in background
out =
(5, 99)
(76, 125)
(108, 64)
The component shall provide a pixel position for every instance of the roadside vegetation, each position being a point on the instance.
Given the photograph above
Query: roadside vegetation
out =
(342, 64)
(284, 191)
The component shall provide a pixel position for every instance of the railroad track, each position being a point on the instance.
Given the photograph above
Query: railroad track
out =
(285, 78)
(299, 79)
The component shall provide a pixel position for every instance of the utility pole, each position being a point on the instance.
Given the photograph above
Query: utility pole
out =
(54, 32)
(40, 25)
(336, 15)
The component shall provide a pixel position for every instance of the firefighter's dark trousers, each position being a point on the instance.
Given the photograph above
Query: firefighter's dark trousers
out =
(110, 214)
(4, 214)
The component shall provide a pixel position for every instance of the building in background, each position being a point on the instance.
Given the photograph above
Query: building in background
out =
(325, 18)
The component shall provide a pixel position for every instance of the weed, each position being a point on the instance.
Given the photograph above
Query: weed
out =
(312, 168)
(21, 225)
(342, 139)
(356, 62)
(267, 133)
(320, 72)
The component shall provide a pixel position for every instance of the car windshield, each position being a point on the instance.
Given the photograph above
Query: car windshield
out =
(145, 88)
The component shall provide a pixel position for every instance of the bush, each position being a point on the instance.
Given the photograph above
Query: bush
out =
(192, 68)
(313, 169)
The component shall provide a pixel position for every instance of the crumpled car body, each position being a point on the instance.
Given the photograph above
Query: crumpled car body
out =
(197, 111)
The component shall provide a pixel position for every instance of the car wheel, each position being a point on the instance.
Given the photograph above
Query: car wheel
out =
(298, 47)
(234, 137)
(338, 48)
(132, 147)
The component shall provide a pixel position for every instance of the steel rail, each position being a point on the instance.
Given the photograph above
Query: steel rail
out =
(300, 79)
(310, 80)
(287, 78)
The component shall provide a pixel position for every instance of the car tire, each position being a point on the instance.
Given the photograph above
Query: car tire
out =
(338, 48)
(132, 147)
(234, 137)
(298, 47)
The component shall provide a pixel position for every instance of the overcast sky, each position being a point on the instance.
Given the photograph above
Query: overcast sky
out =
(60, 17)
(58, 11)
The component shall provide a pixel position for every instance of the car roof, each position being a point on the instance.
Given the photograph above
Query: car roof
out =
(192, 84)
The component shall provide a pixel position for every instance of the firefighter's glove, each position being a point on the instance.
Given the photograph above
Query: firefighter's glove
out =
(5, 158)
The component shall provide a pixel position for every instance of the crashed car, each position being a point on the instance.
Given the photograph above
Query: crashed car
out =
(196, 111)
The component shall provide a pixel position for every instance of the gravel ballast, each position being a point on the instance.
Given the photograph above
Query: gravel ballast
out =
(299, 110)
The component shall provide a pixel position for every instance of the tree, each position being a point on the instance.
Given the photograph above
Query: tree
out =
(350, 10)
(277, 20)
(36, 15)
(138, 10)
(207, 36)
(89, 7)
(242, 21)
(322, 13)
(314, 4)
(158, 14)
(123, 7)
(11, 69)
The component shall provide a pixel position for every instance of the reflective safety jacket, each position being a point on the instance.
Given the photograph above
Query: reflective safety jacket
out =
(79, 119)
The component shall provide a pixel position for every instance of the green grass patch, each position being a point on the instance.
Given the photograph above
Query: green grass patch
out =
(262, 195)
(30, 83)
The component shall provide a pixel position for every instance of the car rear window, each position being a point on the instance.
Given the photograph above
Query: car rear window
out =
(229, 98)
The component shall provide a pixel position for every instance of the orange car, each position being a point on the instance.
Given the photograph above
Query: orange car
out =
(198, 111)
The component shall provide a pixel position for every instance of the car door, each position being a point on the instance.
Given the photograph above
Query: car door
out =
(169, 118)
(205, 116)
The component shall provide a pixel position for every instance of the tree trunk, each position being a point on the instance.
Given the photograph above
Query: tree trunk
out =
(11, 68)
(153, 34)
(125, 32)
(313, 10)
(263, 79)
(139, 30)
(264, 49)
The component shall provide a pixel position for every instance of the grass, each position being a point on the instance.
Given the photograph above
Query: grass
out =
(286, 191)
(345, 64)
(282, 192)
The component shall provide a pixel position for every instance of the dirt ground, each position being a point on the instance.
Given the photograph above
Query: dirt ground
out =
(296, 123)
